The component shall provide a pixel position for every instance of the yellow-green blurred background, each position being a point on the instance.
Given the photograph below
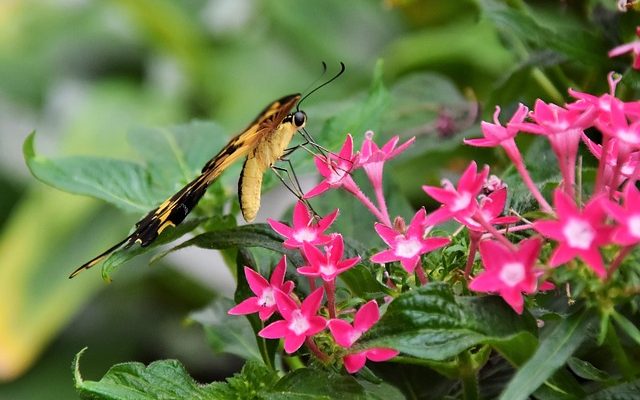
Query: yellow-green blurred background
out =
(83, 73)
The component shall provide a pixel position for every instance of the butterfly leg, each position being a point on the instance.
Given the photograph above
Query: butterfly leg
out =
(293, 184)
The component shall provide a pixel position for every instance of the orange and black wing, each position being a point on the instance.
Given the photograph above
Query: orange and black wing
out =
(175, 209)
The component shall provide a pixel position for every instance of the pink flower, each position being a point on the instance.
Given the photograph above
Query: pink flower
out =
(327, 265)
(346, 335)
(626, 130)
(579, 233)
(490, 207)
(563, 128)
(299, 321)
(304, 229)
(628, 216)
(508, 272)
(632, 47)
(498, 135)
(372, 157)
(407, 247)
(335, 169)
(458, 202)
(264, 302)
(625, 171)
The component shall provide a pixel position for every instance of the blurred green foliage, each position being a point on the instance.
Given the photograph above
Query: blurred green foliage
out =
(85, 74)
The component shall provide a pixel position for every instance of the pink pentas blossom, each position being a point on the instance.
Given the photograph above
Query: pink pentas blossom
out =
(563, 128)
(508, 272)
(336, 169)
(579, 233)
(626, 169)
(263, 302)
(459, 202)
(627, 232)
(372, 157)
(497, 135)
(490, 208)
(631, 47)
(327, 265)
(304, 229)
(300, 321)
(622, 126)
(346, 335)
(407, 247)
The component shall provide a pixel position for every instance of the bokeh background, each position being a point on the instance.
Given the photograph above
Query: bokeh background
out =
(83, 73)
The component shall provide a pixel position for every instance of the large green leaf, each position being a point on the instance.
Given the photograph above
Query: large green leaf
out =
(307, 383)
(553, 353)
(431, 323)
(122, 183)
(622, 391)
(254, 235)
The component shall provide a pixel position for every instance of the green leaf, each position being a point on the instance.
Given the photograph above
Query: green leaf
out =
(586, 370)
(627, 326)
(227, 333)
(164, 379)
(307, 383)
(122, 183)
(553, 353)
(253, 235)
(175, 155)
(431, 323)
(119, 257)
(623, 391)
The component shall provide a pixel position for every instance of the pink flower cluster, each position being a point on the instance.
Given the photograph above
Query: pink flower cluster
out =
(302, 320)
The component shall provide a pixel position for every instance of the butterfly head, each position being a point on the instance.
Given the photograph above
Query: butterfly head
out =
(299, 118)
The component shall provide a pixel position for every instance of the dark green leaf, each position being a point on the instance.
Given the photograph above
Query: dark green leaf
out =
(165, 379)
(431, 323)
(306, 383)
(254, 235)
(586, 370)
(553, 353)
(227, 333)
(623, 391)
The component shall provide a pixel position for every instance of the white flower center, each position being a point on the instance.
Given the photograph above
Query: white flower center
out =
(512, 273)
(305, 235)
(461, 202)
(407, 248)
(579, 234)
(628, 136)
(634, 225)
(266, 298)
(327, 269)
(299, 323)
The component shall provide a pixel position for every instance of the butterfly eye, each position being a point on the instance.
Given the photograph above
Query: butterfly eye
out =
(299, 118)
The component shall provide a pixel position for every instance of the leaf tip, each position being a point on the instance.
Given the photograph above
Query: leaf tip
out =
(77, 378)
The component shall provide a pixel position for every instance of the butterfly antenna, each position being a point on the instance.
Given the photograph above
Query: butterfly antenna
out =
(324, 70)
(342, 68)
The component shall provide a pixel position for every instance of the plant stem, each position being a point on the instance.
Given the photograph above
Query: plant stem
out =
(492, 230)
(382, 204)
(526, 178)
(330, 288)
(357, 193)
(315, 350)
(618, 260)
(473, 248)
(420, 274)
(470, 390)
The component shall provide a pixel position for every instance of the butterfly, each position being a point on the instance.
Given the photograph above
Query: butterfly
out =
(262, 143)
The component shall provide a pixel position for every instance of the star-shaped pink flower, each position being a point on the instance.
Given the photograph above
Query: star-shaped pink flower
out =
(497, 135)
(336, 169)
(407, 247)
(372, 157)
(300, 321)
(627, 232)
(508, 272)
(327, 265)
(346, 335)
(491, 207)
(458, 202)
(263, 302)
(304, 229)
(632, 47)
(579, 233)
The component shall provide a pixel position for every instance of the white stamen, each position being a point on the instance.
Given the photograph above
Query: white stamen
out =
(299, 323)
(512, 273)
(579, 233)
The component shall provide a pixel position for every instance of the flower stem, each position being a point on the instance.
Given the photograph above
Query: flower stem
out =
(602, 164)
(422, 277)
(473, 248)
(470, 390)
(330, 288)
(315, 350)
(357, 193)
(492, 230)
(382, 204)
(526, 178)
(618, 260)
